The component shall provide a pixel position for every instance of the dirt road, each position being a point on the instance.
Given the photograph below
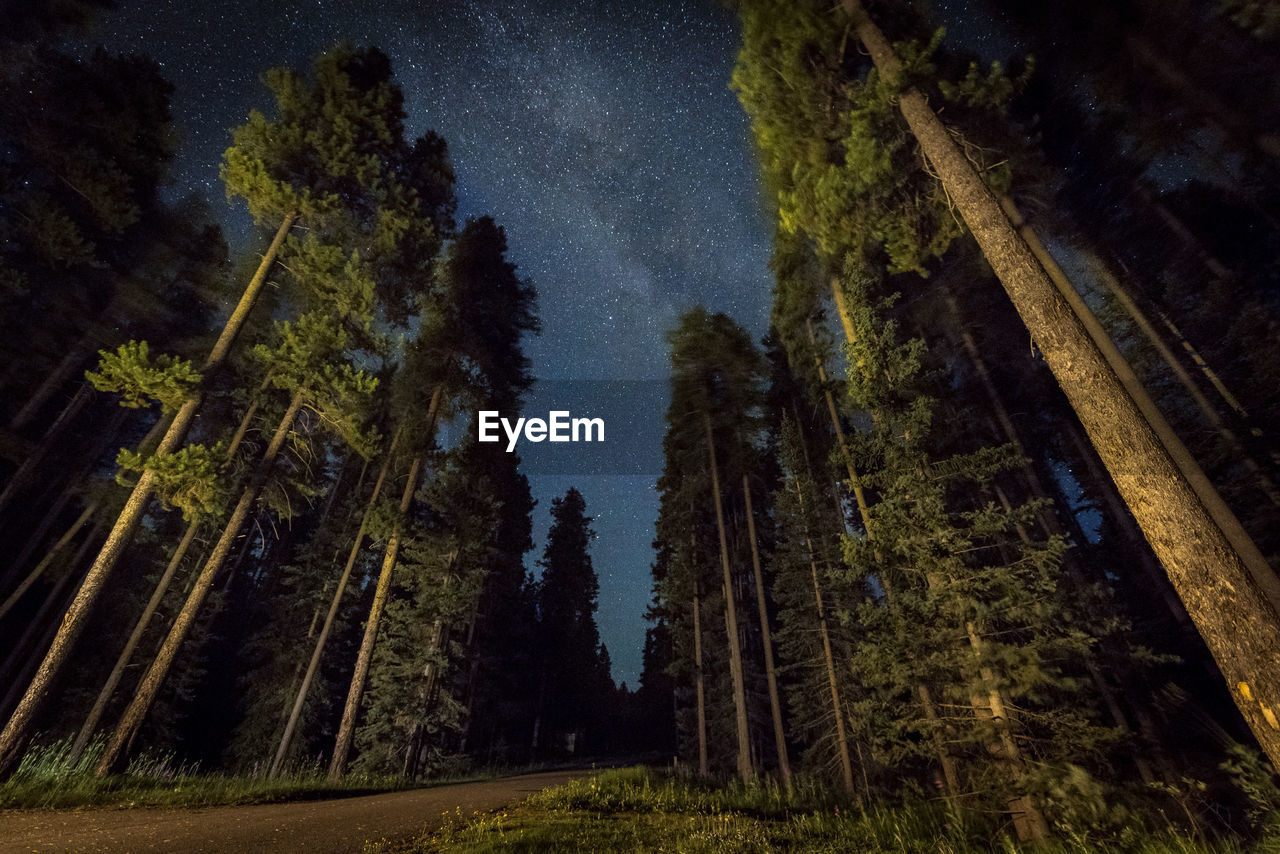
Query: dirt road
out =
(341, 825)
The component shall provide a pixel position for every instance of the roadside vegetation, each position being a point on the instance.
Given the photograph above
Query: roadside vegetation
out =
(50, 778)
(638, 809)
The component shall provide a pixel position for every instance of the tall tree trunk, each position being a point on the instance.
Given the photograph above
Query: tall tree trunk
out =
(1192, 475)
(27, 651)
(157, 596)
(1230, 610)
(51, 383)
(351, 710)
(66, 417)
(775, 707)
(854, 481)
(314, 665)
(14, 737)
(154, 678)
(703, 769)
(90, 724)
(842, 742)
(1112, 284)
(745, 769)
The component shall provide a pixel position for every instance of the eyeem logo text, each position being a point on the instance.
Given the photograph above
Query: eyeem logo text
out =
(558, 427)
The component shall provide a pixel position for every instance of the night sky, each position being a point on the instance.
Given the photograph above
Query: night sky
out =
(605, 140)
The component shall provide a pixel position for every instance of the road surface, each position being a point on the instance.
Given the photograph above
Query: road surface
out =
(316, 827)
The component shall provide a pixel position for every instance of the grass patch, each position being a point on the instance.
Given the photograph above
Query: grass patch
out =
(637, 809)
(48, 779)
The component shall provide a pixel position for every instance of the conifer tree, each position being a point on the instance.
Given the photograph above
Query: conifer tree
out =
(333, 138)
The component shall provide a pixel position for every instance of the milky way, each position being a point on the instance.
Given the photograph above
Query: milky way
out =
(602, 136)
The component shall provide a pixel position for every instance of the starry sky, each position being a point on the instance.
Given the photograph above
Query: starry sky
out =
(601, 135)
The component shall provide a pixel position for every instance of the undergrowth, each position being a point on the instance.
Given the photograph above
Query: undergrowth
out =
(48, 778)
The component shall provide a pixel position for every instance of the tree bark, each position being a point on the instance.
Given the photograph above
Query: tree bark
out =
(1192, 474)
(14, 737)
(745, 769)
(703, 769)
(842, 742)
(1112, 284)
(314, 665)
(1234, 617)
(157, 596)
(775, 707)
(346, 732)
(154, 678)
(351, 709)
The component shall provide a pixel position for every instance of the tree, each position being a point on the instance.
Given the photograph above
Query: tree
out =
(575, 680)
(333, 137)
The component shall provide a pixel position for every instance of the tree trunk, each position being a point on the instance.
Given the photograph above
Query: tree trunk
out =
(14, 737)
(346, 732)
(154, 678)
(703, 769)
(1102, 274)
(67, 416)
(745, 769)
(842, 742)
(157, 596)
(1192, 474)
(1234, 617)
(775, 707)
(51, 383)
(314, 665)
(27, 650)
(135, 637)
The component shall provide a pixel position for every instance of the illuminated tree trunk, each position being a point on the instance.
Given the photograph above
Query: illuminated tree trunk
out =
(745, 770)
(155, 676)
(1228, 607)
(775, 707)
(332, 614)
(351, 710)
(1117, 290)
(153, 604)
(1192, 474)
(842, 742)
(14, 737)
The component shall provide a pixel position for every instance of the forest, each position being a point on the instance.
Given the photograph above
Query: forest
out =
(973, 549)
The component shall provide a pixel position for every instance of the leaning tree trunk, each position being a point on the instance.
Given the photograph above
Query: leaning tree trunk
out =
(28, 649)
(842, 741)
(14, 737)
(351, 709)
(314, 665)
(153, 604)
(775, 707)
(347, 730)
(1234, 617)
(731, 618)
(151, 682)
(1144, 324)
(1194, 476)
(67, 416)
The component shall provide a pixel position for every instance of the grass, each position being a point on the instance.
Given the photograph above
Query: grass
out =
(637, 809)
(48, 779)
